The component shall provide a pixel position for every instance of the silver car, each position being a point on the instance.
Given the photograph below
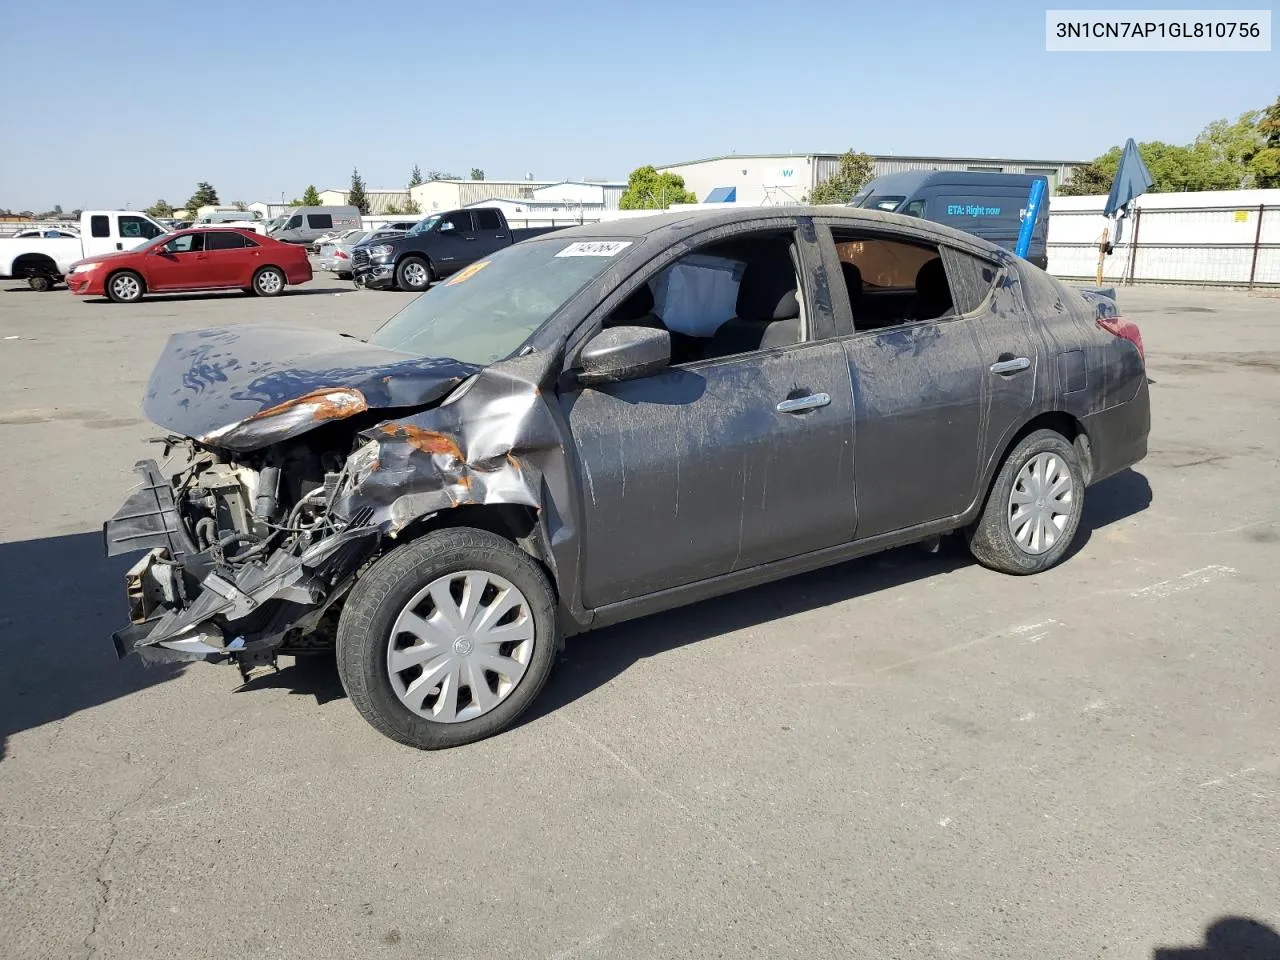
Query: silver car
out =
(335, 253)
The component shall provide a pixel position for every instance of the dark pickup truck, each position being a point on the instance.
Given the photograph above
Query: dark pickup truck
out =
(437, 246)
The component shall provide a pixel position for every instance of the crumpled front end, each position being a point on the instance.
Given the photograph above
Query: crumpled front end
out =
(248, 552)
(202, 592)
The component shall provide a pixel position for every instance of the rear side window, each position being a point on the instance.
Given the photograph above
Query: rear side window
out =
(219, 240)
(320, 221)
(100, 226)
(971, 279)
(488, 220)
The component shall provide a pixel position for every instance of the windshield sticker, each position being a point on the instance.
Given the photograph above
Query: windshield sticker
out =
(467, 273)
(595, 248)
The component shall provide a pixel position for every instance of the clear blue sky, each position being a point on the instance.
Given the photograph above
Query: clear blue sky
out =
(145, 98)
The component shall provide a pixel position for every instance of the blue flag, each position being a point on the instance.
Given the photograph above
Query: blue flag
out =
(1132, 180)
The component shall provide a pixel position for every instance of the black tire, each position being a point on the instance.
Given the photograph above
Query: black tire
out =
(991, 539)
(343, 276)
(414, 274)
(40, 283)
(364, 632)
(125, 286)
(269, 282)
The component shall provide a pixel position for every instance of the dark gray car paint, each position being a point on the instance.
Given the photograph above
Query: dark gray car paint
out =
(596, 469)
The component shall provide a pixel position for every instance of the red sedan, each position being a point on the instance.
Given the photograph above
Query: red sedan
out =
(193, 260)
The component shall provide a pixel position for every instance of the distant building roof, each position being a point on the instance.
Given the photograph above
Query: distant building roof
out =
(875, 156)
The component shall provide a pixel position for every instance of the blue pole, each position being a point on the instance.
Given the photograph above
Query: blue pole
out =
(1029, 223)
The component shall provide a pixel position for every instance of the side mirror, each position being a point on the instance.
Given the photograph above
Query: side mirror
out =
(447, 226)
(624, 353)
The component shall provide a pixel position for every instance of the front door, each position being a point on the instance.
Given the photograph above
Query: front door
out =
(180, 264)
(713, 467)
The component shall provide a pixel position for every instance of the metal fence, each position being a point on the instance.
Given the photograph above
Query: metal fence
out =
(1227, 245)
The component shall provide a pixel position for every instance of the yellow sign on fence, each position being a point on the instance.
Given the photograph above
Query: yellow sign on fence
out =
(1242, 216)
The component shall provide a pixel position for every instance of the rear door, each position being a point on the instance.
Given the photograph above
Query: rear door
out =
(457, 247)
(920, 380)
(228, 258)
(491, 232)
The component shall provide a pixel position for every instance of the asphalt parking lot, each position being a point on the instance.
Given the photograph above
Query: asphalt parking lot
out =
(901, 757)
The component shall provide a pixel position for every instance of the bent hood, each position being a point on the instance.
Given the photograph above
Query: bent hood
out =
(244, 388)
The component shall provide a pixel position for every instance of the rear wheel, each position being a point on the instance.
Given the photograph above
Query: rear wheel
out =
(268, 282)
(125, 287)
(40, 283)
(448, 639)
(1034, 507)
(413, 273)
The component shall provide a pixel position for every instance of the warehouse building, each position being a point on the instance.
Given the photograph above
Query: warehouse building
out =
(437, 195)
(758, 179)
(380, 201)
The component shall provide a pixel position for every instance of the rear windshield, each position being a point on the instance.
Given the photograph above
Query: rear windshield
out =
(486, 311)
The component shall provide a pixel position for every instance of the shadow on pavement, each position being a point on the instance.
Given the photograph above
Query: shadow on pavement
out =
(1229, 938)
(62, 600)
(160, 298)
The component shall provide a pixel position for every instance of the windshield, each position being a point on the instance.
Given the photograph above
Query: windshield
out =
(422, 226)
(484, 312)
(881, 201)
(154, 241)
(275, 222)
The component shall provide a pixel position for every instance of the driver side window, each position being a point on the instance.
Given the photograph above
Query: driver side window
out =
(187, 243)
(733, 297)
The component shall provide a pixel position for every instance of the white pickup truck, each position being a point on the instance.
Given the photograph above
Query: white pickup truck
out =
(44, 261)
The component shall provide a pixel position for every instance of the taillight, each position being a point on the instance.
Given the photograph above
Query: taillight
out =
(339, 255)
(1125, 330)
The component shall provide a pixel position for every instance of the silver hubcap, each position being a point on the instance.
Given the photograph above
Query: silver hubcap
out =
(415, 274)
(460, 646)
(269, 282)
(126, 288)
(1041, 503)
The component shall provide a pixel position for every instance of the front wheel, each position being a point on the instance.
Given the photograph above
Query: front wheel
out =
(448, 639)
(1033, 511)
(414, 274)
(125, 287)
(268, 282)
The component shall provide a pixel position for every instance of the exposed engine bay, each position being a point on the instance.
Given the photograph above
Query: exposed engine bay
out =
(241, 533)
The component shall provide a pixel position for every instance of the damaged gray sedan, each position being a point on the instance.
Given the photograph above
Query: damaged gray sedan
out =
(606, 422)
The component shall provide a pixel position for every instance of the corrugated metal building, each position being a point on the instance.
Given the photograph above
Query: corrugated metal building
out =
(380, 201)
(451, 194)
(780, 178)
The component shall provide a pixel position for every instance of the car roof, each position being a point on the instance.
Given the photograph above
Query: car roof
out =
(667, 227)
(909, 181)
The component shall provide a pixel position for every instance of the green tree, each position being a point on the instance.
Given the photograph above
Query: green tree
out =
(392, 210)
(415, 177)
(647, 189)
(1086, 180)
(1264, 165)
(205, 196)
(854, 171)
(477, 173)
(240, 205)
(310, 197)
(160, 208)
(442, 175)
(356, 197)
(1233, 142)
(412, 206)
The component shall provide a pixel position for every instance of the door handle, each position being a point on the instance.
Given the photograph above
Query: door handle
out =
(1005, 367)
(800, 404)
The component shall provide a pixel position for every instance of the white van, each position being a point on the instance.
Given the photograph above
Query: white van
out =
(305, 224)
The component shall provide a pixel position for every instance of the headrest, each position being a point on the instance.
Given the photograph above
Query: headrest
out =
(852, 278)
(768, 291)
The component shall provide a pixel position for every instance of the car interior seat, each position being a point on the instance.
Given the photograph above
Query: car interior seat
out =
(933, 295)
(768, 310)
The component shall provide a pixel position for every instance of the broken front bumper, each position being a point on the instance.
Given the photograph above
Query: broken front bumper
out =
(185, 605)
